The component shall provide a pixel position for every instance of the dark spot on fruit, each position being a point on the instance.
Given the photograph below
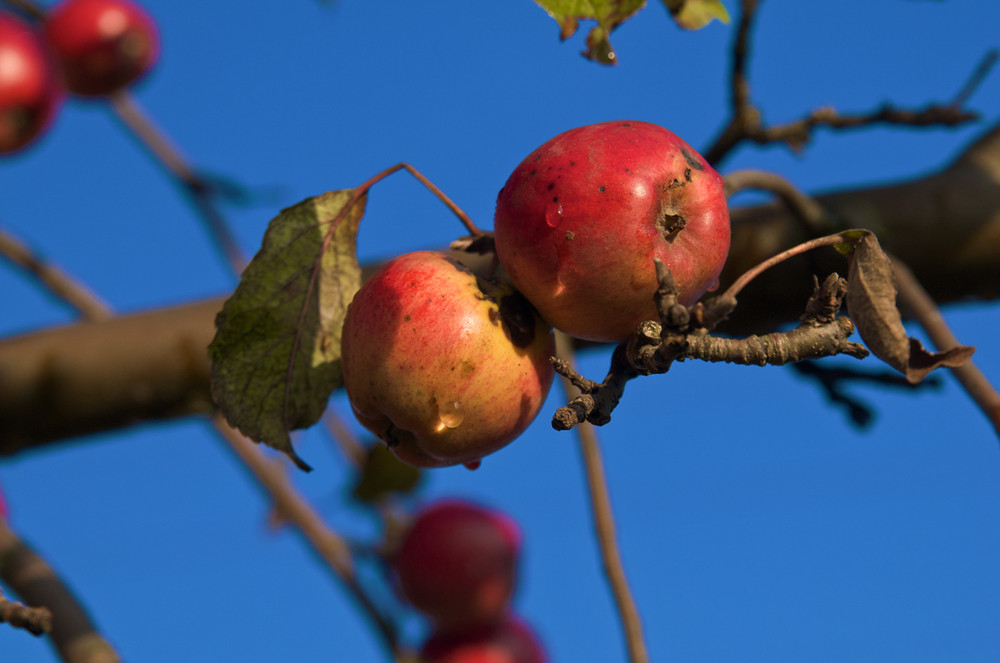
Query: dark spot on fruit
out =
(556, 199)
(670, 225)
(627, 170)
(468, 368)
(601, 189)
(570, 234)
(494, 316)
(687, 174)
(519, 319)
(551, 186)
(457, 265)
(692, 160)
(626, 124)
(532, 173)
(406, 318)
(572, 163)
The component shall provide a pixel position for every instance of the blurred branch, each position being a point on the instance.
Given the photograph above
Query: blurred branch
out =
(37, 621)
(30, 577)
(805, 207)
(915, 300)
(746, 123)
(604, 524)
(293, 508)
(60, 284)
(200, 193)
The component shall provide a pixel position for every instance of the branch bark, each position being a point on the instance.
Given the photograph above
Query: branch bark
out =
(84, 378)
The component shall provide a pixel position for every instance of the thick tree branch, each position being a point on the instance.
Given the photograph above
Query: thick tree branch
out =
(83, 378)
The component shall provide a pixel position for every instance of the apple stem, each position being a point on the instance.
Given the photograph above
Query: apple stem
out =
(455, 209)
(755, 271)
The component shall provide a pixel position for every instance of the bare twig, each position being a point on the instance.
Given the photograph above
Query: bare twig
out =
(56, 281)
(914, 300)
(30, 8)
(29, 576)
(600, 503)
(745, 123)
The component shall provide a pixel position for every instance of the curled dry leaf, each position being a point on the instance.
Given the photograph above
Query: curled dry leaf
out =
(871, 303)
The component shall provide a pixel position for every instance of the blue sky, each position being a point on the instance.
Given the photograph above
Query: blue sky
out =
(755, 523)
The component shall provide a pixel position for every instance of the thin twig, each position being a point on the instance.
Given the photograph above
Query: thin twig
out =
(977, 77)
(30, 8)
(604, 523)
(60, 284)
(296, 510)
(915, 301)
(199, 191)
(29, 576)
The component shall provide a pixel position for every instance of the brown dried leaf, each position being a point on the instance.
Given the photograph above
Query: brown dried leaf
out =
(923, 361)
(871, 303)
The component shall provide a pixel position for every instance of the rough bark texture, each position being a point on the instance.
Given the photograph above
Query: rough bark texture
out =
(65, 382)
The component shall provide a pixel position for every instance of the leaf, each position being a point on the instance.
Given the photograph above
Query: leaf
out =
(383, 474)
(696, 14)
(608, 14)
(276, 353)
(871, 303)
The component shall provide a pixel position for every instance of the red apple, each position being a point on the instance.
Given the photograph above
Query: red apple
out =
(457, 564)
(30, 91)
(102, 45)
(580, 220)
(508, 641)
(441, 365)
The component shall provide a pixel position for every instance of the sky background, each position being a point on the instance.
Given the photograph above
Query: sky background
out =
(756, 524)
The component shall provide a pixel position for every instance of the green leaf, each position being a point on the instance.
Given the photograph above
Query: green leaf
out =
(608, 14)
(276, 353)
(384, 474)
(696, 14)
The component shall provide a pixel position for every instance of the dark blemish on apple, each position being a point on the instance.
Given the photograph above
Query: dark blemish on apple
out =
(494, 316)
(468, 368)
(556, 199)
(406, 318)
(532, 173)
(572, 163)
(601, 189)
(687, 174)
(457, 265)
(670, 225)
(692, 160)
(626, 124)
(519, 319)
(551, 186)
(570, 235)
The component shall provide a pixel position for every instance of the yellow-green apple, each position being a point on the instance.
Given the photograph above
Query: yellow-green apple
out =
(580, 220)
(30, 89)
(457, 564)
(445, 367)
(507, 641)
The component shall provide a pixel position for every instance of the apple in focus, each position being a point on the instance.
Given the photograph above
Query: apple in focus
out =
(580, 220)
(443, 366)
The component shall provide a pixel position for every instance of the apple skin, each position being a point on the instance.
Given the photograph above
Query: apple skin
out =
(30, 88)
(580, 220)
(442, 366)
(507, 641)
(457, 564)
(102, 45)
